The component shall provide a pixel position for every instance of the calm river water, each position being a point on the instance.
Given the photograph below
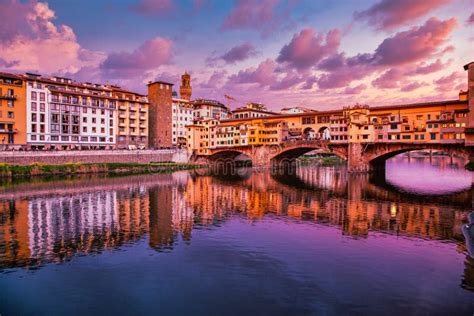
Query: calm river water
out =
(307, 241)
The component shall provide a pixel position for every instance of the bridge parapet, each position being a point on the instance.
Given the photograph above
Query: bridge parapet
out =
(361, 157)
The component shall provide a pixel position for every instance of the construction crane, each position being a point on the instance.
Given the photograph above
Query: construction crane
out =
(229, 98)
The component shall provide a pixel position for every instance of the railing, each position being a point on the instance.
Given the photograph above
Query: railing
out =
(8, 97)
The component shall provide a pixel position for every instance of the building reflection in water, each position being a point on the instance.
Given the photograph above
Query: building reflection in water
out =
(50, 222)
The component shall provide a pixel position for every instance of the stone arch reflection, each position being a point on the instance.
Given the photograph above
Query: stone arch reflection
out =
(164, 210)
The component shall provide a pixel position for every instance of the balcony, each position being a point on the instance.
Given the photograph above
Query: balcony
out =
(9, 131)
(122, 115)
(123, 107)
(8, 97)
(142, 109)
(142, 117)
(143, 125)
(132, 116)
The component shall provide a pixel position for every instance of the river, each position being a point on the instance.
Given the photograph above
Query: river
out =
(313, 240)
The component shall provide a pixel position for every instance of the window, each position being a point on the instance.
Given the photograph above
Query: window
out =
(10, 103)
(33, 117)
(433, 136)
(55, 128)
(11, 115)
(84, 110)
(33, 128)
(42, 107)
(42, 96)
(33, 95)
(54, 118)
(393, 126)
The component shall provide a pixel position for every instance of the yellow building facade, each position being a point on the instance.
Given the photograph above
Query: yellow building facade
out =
(433, 122)
(12, 110)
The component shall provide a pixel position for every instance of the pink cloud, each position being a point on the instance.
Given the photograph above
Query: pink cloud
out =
(215, 80)
(260, 15)
(448, 82)
(149, 55)
(31, 41)
(343, 76)
(308, 47)
(401, 50)
(389, 14)
(235, 54)
(264, 74)
(355, 90)
(290, 79)
(411, 86)
(424, 68)
(153, 7)
(389, 79)
(309, 83)
(418, 43)
(470, 20)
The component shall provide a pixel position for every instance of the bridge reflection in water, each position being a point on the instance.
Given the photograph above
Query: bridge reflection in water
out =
(43, 222)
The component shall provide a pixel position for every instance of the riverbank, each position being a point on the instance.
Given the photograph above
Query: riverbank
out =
(325, 161)
(36, 169)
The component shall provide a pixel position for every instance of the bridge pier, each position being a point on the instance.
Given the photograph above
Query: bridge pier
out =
(356, 159)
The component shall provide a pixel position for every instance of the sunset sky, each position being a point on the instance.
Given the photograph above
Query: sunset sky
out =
(314, 53)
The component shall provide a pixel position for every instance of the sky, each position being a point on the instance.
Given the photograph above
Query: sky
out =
(313, 53)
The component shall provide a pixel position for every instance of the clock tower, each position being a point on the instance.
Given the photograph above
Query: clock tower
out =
(185, 88)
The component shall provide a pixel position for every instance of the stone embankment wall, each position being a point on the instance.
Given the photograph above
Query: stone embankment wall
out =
(93, 156)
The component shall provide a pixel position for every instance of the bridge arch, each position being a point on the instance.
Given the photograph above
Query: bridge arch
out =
(227, 155)
(377, 157)
(324, 133)
(309, 133)
(289, 154)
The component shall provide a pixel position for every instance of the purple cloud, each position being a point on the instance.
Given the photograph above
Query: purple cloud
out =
(355, 90)
(265, 16)
(308, 47)
(412, 86)
(389, 14)
(153, 7)
(149, 55)
(235, 54)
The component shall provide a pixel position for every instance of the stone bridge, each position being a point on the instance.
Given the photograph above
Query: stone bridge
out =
(360, 157)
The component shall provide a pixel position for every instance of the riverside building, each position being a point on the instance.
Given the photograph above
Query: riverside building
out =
(132, 119)
(170, 115)
(12, 111)
(63, 114)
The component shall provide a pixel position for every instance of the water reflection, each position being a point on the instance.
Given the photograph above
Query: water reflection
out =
(43, 222)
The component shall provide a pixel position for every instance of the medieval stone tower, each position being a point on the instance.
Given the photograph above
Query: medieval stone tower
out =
(185, 88)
